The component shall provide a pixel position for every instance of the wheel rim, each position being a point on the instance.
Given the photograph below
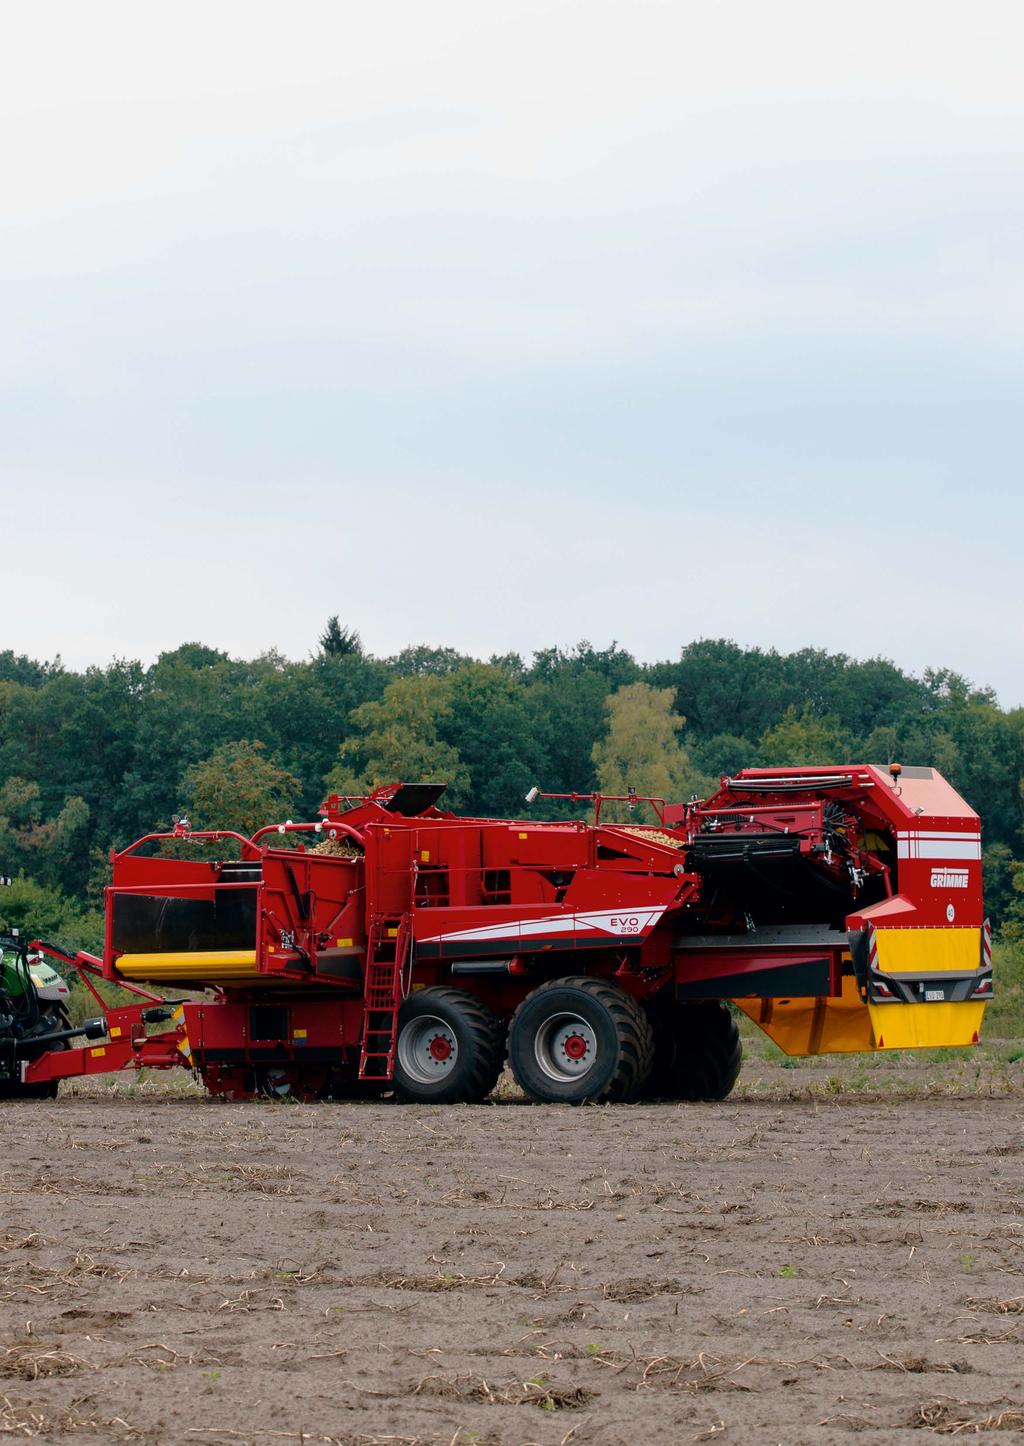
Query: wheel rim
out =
(276, 1084)
(565, 1047)
(288, 1082)
(427, 1049)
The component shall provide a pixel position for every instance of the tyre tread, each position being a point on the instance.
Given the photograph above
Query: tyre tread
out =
(632, 1026)
(487, 1055)
(701, 1053)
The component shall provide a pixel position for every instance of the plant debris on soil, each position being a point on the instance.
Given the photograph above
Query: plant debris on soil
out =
(776, 1268)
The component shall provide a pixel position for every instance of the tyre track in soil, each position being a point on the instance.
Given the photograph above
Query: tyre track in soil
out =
(176, 1269)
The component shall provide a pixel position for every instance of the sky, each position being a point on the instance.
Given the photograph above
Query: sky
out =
(499, 326)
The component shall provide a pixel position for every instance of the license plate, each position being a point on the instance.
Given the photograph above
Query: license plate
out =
(934, 996)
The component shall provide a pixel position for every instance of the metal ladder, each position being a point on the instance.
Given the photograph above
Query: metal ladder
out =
(388, 946)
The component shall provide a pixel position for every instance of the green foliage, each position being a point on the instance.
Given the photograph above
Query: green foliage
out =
(493, 729)
(398, 739)
(414, 662)
(567, 696)
(17, 668)
(999, 869)
(723, 755)
(1004, 1017)
(339, 642)
(801, 739)
(49, 847)
(40, 912)
(238, 787)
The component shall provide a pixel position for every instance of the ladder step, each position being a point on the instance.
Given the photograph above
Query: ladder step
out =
(387, 947)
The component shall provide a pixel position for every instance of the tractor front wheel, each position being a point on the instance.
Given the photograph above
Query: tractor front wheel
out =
(450, 1048)
(579, 1039)
(15, 1090)
(46, 1089)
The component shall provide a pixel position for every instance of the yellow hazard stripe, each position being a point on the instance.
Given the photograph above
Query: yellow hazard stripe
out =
(184, 1047)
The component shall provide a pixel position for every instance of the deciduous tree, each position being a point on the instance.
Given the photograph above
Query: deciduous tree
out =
(641, 748)
(398, 739)
(799, 739)
(239, 787)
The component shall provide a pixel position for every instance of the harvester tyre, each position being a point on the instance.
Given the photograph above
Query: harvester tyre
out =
(698, 1052)
(14, 1090)
(580, 1040)
(450, 1048)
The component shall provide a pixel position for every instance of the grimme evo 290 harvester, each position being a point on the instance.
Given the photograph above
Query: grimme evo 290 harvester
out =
(408, 949)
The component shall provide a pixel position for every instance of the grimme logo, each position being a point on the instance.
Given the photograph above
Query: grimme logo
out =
(949, 878)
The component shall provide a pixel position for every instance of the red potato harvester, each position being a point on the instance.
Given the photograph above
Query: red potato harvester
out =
(395, 946)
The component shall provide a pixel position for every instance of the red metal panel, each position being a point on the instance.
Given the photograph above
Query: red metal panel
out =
(308, 1024)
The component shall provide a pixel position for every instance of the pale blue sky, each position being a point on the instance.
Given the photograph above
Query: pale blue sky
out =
(501, 325)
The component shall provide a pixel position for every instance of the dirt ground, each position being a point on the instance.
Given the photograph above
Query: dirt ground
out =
(799, 1263)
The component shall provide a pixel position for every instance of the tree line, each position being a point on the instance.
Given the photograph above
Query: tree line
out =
(91, 760)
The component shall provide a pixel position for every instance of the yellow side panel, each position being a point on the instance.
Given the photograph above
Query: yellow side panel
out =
(927, 951)
(209, 966)
(849, 1026)
(815, 1025)
(926, 1026)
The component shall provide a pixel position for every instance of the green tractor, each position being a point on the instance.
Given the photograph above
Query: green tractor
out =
(33, 1016)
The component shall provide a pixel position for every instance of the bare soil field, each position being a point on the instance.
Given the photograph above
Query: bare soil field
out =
(816, 1257)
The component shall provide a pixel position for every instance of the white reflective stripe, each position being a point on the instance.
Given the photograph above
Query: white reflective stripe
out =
(933, 833)
(606, 921)
(917, 846)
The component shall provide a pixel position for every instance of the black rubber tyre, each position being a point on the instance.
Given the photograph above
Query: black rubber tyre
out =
(12, 1090)
(450, 1048)
(15, 1090)
(47, 1090)
(698, 1052)
(660, 1082)
(580, 1039)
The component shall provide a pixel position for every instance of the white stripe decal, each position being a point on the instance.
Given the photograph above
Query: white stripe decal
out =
(932, 833)
(607, 921)
(918, 847)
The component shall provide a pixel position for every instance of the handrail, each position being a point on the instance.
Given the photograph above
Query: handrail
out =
(186, 836)
(156, 889)
(597, 799)
(328, 828)
(249, 845)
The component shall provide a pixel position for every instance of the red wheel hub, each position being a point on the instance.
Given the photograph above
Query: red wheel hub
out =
(440, 1048)
(575, 1046)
